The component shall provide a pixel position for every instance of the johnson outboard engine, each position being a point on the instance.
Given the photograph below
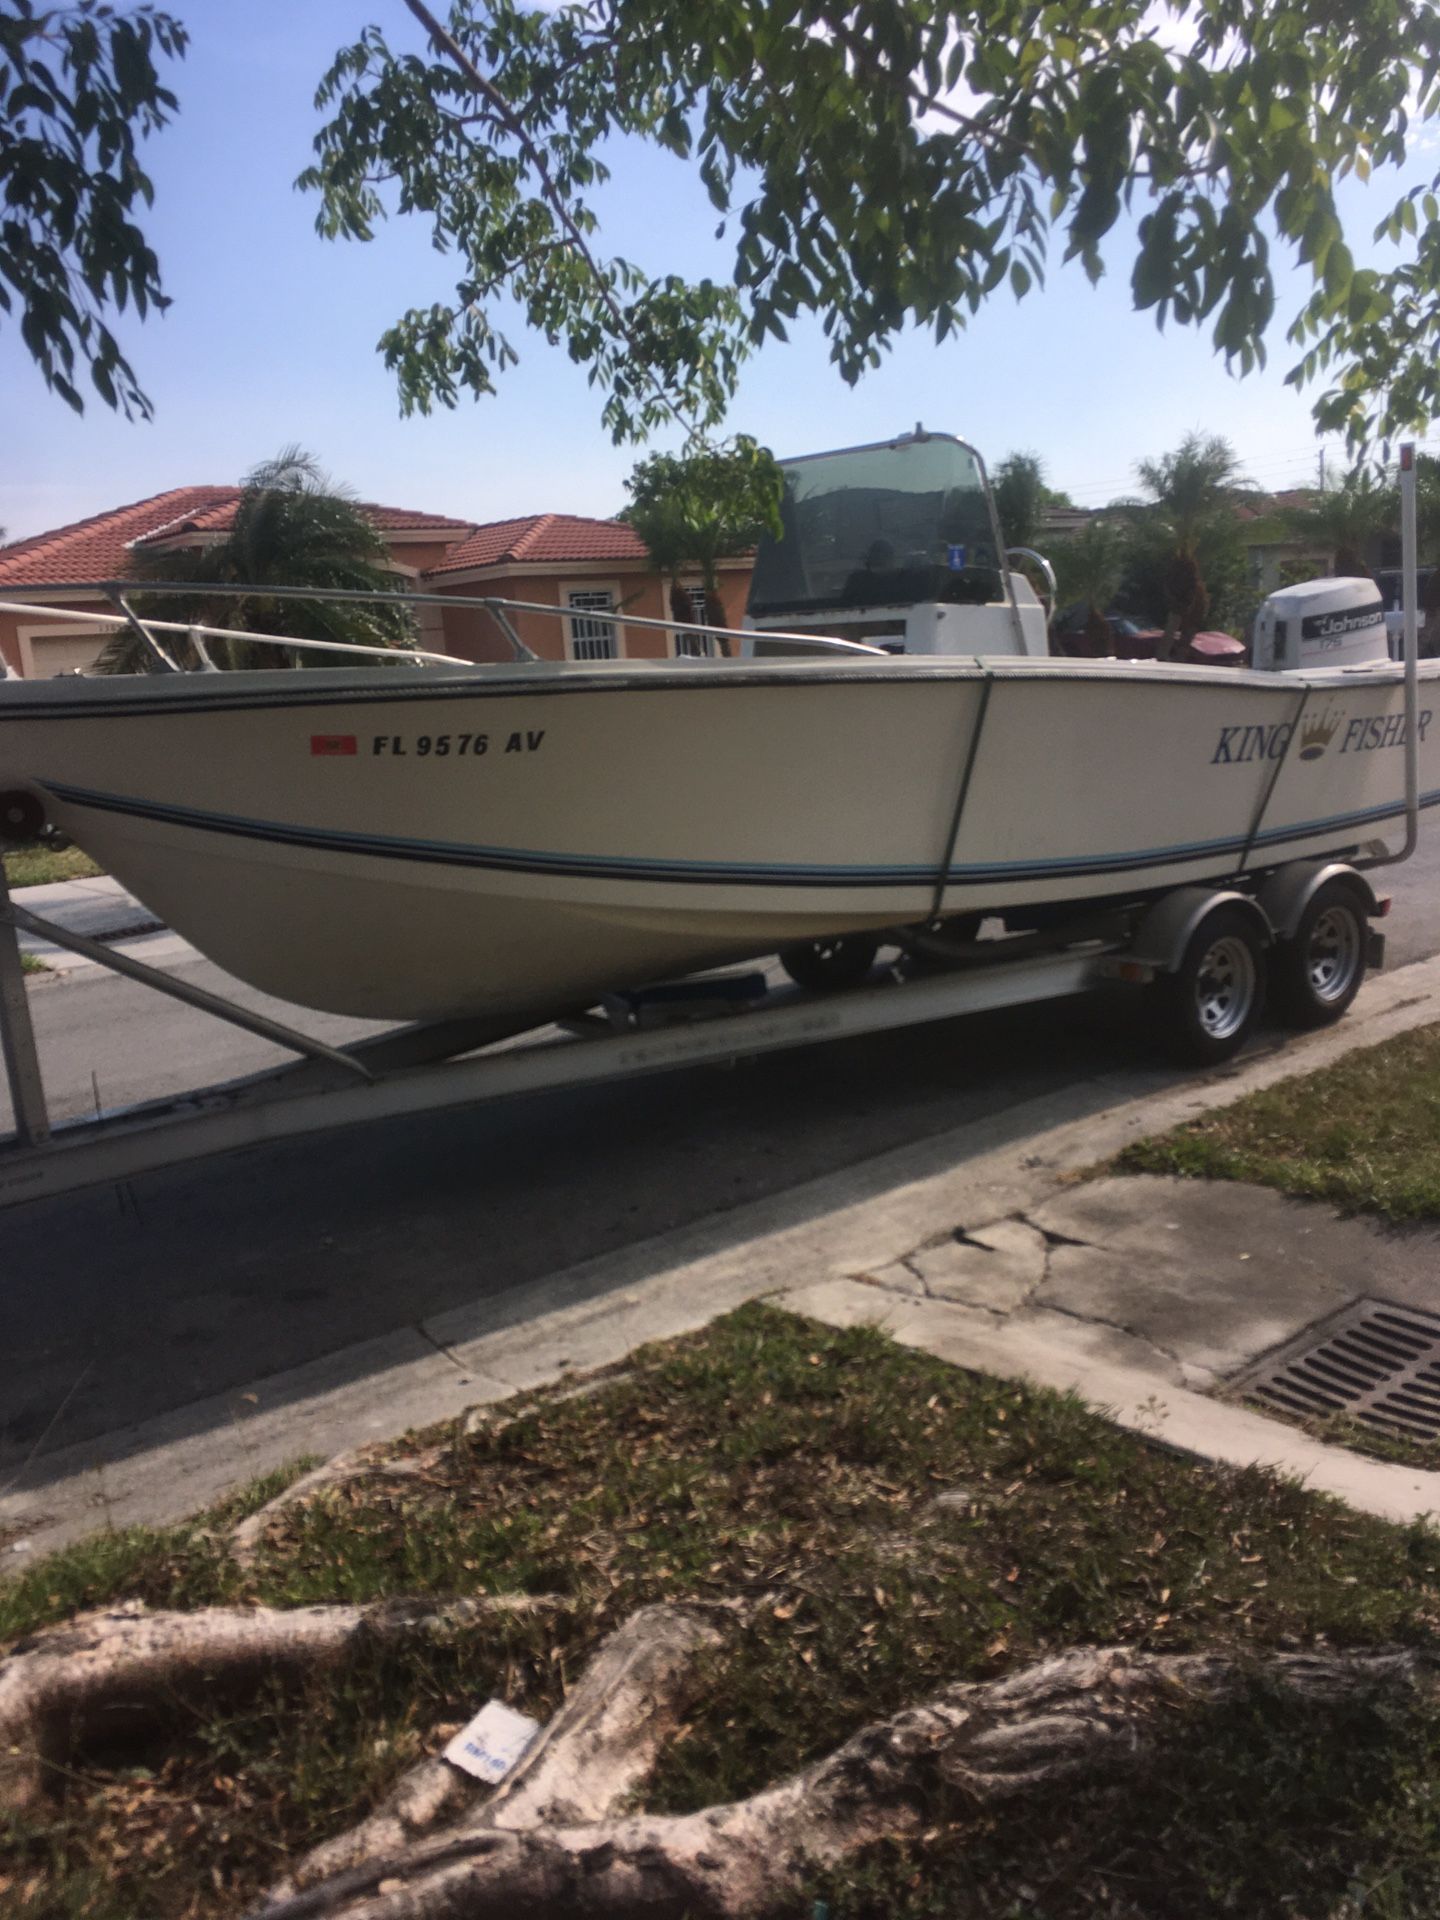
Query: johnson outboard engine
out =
(1321, 623)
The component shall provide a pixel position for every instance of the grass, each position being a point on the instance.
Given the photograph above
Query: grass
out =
(1380, 1443)
(37, 866)
(32, 963)
(1364, 1133)
(796, 1467)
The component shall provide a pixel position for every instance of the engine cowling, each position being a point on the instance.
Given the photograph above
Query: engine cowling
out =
(1321, 623)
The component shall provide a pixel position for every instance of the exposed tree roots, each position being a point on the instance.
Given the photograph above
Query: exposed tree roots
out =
(555, 1841)
(988, 1740)
(112, 1673)
(364, 1463)
(600, 1746)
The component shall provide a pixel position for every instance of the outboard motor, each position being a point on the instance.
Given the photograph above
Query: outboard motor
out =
(1321, 623)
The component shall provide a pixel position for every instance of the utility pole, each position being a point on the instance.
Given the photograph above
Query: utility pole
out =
(1322, 469)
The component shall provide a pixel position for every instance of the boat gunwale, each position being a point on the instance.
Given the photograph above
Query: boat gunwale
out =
(117, 696)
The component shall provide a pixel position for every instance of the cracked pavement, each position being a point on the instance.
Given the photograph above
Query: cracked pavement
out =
(1178, 1279)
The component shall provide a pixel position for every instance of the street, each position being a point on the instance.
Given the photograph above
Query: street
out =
(127, 1301)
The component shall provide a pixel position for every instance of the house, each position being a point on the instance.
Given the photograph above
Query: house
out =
(1276, 553)
(586, 567)
(65, 566)
(1063, 523)
(583, 566)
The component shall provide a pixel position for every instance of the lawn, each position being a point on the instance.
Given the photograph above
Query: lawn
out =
(1364, 1133)
(37, 866)
(795, 1468)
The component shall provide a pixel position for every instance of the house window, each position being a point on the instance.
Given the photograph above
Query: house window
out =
(693, 642)
(592, 639)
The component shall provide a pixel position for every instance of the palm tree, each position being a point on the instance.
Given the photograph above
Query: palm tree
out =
(1089, 568)
(293, 527)
(1021, 497)
(1346, 519)
(1192, 497)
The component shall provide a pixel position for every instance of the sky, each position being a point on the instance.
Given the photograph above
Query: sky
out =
(271, 338)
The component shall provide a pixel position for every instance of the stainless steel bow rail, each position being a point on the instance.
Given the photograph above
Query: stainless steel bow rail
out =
(147, 627)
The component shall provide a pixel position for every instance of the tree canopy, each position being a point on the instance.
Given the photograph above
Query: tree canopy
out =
(879, 163)
(890, 162)
(1187, 520)
(692, 509)
(1346, 519)
(1022, 496)
(1089, 569)
(79, 90)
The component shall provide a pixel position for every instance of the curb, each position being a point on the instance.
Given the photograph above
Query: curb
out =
(787, 1248)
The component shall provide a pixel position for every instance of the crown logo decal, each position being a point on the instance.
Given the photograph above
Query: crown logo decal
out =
(1316, 734)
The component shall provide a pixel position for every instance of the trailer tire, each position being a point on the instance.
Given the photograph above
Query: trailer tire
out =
(832, 962)
(1212, 1000)
(1317, 973)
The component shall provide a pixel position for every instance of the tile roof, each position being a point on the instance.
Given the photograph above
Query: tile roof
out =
(538, 537)
(220, 517)
(1266, 504)
(97, 548)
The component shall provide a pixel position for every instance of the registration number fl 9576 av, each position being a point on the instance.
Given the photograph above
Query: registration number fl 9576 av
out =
(444, 745)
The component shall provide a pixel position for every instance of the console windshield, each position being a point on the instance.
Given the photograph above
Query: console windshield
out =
(880, 526)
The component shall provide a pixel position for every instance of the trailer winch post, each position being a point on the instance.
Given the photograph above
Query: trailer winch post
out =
(17, 1033)
(1409, 591)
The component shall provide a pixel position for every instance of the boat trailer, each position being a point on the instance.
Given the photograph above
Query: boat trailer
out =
(1199, 950)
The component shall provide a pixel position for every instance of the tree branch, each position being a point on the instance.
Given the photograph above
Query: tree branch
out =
(446, 42)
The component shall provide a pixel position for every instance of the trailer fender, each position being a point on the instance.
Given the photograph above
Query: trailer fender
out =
(1284, 896)
(1165, 930)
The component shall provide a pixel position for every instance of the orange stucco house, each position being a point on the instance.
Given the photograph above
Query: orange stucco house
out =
(580, 566)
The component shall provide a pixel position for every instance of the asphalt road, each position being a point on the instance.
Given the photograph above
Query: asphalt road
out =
(130, 1300)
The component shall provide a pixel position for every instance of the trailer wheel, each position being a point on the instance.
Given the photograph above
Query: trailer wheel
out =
(1209, 1004)
(835, 961)
(1315, 975)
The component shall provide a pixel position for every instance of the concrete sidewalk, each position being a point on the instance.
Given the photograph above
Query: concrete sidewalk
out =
(98, 908)
(1143, 1296)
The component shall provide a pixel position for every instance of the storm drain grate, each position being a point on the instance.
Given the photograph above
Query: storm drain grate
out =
(1372, 1361)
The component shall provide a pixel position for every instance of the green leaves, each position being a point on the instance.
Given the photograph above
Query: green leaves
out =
(79, 90)
(862, 184)
(711, 500)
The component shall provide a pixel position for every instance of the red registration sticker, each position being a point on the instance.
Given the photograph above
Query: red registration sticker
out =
(332, 743)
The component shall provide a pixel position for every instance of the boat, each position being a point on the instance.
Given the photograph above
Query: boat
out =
(892, 748)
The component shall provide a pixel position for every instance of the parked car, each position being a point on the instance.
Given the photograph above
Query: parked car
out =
(1135, 639)
(1130, 639)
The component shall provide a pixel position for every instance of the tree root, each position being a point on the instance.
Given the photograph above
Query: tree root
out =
(112, 1673)
(555, 1841)
(599, 1747)
(247, 1537)
(988, 1739)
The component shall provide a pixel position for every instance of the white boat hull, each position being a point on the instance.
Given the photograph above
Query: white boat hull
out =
(345, 841)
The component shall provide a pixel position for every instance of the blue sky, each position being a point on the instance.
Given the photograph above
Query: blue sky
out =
(271, 338)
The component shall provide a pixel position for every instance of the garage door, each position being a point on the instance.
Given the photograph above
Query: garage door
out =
(65, 652)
